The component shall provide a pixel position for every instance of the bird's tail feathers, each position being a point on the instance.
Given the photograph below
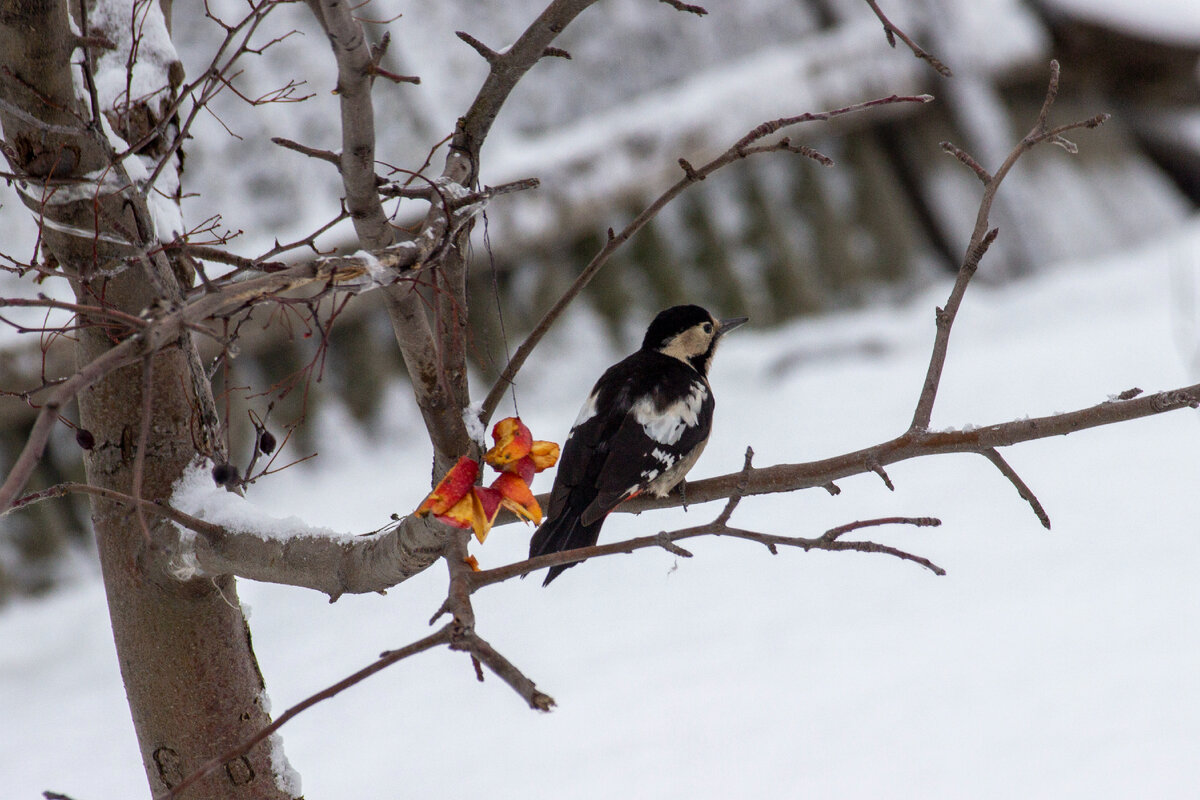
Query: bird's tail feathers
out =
(566, 532)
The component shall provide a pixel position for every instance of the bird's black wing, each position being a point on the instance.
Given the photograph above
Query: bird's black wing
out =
(587, 445)
(583, 456)
(645, 414)
(662, 430)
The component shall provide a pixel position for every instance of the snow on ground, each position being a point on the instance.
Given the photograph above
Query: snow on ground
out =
(1060, 664)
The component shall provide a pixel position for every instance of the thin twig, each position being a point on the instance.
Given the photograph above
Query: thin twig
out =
(385, 660)
(962, 155)
(503, 669)
(679, 5)
(981, 237)
(736, 497)
(741, 149)
(824, 542)
(993, 455)
(312, 152)
(892, 32)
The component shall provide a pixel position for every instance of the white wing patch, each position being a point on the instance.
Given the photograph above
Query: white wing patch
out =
(587, 412)
(667, 426)
(666, 459)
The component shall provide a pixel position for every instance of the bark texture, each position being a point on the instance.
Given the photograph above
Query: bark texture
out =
(192, 681)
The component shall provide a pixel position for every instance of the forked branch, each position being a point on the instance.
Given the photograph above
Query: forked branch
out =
(744, 147)
(982, 236)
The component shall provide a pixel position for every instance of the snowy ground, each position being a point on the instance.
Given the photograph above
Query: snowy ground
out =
(1061, 664)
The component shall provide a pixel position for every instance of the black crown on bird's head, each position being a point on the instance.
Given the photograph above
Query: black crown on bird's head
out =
(672, 322)
(688, 333)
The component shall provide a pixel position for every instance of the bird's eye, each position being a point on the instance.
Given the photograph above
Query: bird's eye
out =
(708, 327)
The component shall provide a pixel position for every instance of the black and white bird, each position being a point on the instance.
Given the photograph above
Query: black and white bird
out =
(641, 429)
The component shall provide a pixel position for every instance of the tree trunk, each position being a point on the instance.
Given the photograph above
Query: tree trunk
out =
(190, 674)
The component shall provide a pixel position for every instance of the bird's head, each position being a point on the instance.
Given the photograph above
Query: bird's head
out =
(690, 334)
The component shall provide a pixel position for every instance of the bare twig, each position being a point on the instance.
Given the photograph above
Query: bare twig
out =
(385, 660)
(981, 238)
(488, 54)
(504, 669)
(741, 149)
(219, 256)
(736, 497)
(878, 469)
(830, 540)
(312, 152)
(962, 155)
(687, 7)
(892, 32)
(993, 455)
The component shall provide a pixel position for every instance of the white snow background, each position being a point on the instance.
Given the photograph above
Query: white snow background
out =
(1047, 664)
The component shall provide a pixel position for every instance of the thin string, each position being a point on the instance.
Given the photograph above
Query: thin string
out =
(487, 244)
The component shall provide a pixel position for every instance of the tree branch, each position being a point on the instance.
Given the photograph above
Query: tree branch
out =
(741, 149)
(415, 336)
(981, 239)
(375, 563)
(353, 273)
(385, 660)
(830, 540)
(357, 159)
(917, 444)
(892, 32)
(506, 71)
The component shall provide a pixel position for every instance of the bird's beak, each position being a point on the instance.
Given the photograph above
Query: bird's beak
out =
(726, 325)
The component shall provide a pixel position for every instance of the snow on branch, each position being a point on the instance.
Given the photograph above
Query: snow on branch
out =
(165, 326)
(238, 538)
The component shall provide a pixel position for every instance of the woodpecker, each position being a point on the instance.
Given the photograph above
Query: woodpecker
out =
(640, 430)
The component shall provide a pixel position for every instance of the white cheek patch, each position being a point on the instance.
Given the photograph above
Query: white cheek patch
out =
(667, 426)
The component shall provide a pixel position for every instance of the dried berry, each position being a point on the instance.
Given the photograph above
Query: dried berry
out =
(84, 438)
(224, 474)
(266, 442)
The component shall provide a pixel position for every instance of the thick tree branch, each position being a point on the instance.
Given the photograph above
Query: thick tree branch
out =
(426, 361)
(332, 564)
(367, 563)
(438, 365)
(357, 160)
(918, 444)
(353, 273)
